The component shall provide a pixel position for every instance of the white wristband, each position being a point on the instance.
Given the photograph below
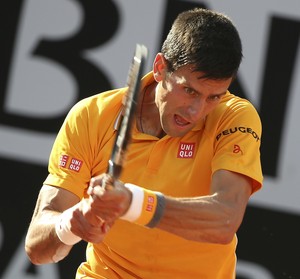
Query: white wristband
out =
(136, 206)
(62, 228)
(146, 208)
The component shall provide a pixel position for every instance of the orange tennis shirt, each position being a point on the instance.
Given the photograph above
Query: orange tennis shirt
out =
(229, 138)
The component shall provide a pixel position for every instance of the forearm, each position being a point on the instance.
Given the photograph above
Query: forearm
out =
(214, 218)
(42, 244)
(202, 219)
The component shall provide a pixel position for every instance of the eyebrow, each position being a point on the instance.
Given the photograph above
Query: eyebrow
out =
(183, 81)
(211, 95)
(219, 94)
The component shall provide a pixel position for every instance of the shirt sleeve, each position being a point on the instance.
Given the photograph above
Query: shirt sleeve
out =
(237, 141)
(69, 162)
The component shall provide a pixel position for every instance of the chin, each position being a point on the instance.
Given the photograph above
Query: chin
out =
(176, 133)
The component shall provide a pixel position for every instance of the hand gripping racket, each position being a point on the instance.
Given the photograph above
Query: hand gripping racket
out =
(123, 137)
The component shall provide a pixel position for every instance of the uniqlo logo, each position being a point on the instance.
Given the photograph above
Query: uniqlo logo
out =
(150, 199)
(149, 207)
(75, 165)
(150, 202)
(63, 160)
(186, 150)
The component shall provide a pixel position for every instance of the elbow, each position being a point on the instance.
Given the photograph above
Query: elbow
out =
(32, 255)
(31, 250)
(225, 233)
(35, 252)
(224, 238)
(227, 227)
(40, 253)
(221, 237)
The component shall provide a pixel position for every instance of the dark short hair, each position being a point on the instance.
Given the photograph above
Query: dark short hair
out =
(206, 40)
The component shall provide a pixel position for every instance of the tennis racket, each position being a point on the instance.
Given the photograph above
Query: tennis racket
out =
(123, 137)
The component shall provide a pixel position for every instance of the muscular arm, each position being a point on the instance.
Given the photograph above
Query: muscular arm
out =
(42, 244)
(214, 218)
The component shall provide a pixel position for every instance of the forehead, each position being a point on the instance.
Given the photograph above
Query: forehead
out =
(187, 76)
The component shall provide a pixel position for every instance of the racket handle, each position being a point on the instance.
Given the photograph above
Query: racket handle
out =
(114, 170)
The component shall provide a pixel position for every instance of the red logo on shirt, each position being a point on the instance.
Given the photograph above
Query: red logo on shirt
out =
(63, 160)
(75, 165)
(186, 150)
(237, 149)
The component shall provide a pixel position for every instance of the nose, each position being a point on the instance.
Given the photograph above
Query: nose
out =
(196, 109)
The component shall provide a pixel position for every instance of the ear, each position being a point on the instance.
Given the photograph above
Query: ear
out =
(159, 67)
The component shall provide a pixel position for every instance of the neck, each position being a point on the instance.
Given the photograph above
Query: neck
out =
(148, 120)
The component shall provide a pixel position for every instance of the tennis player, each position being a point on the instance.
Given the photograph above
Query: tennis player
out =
(192, 165)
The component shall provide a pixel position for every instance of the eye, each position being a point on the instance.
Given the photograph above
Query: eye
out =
(214, 98)
(190, 91)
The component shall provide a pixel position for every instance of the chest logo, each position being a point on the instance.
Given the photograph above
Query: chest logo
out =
(186, 150)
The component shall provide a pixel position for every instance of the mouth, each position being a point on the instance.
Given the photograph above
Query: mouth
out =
(180, 121)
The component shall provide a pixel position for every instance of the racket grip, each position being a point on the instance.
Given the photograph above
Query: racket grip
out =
(114, 170)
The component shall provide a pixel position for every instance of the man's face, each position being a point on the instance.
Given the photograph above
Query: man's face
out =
(183, 99)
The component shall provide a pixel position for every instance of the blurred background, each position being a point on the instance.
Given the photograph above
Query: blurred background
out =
(56, 52)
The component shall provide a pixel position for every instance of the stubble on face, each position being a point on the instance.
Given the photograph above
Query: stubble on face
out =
(167, 104)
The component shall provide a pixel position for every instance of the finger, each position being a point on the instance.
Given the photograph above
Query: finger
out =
(96, 180)
(105, 228)
(93, 234)
(108, 182)
(103, 180)
(97, 191)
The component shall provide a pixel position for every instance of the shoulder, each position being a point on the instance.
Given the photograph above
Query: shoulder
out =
(98, 105)
(234, 104)
(233, 113)
(99, 102)
(234, 107)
